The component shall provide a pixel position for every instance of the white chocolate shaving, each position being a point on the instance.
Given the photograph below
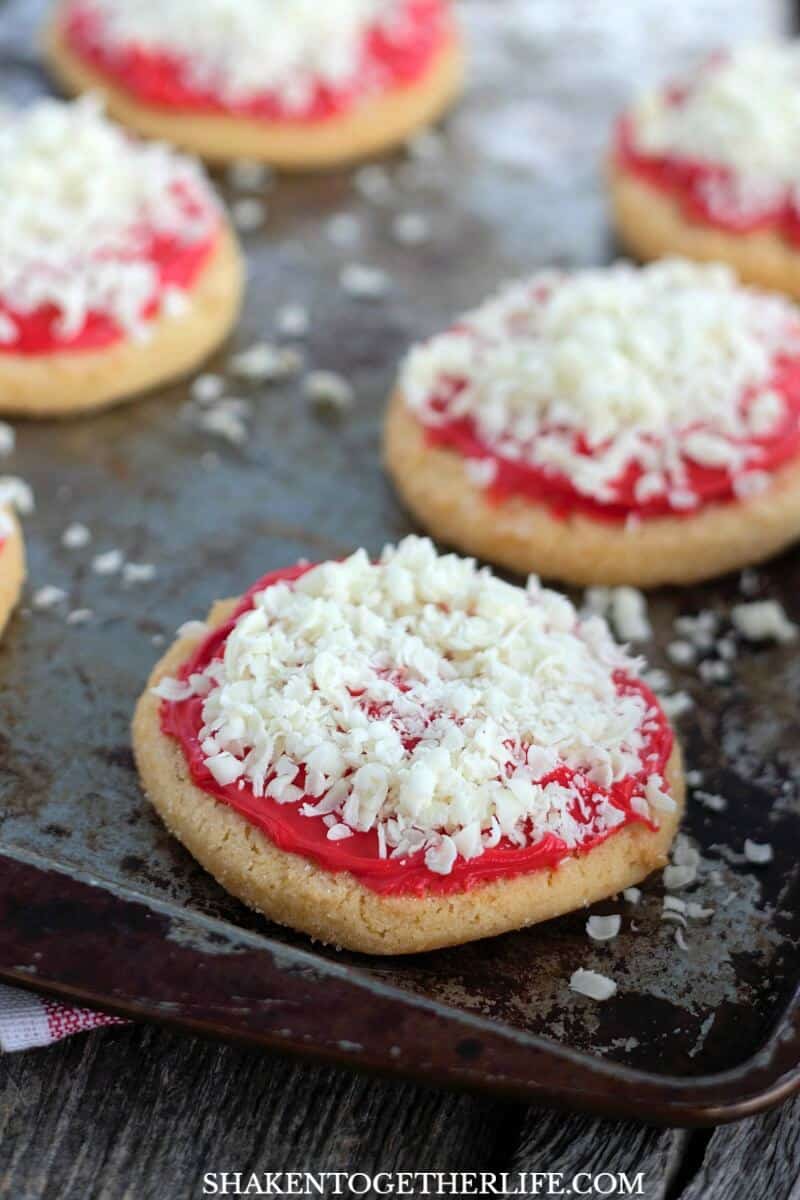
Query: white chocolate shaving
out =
(79, 204)
(244, 49)
(428, 699)
(654, 367)
(741, 112)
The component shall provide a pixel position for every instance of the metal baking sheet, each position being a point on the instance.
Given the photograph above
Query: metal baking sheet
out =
(97, 901)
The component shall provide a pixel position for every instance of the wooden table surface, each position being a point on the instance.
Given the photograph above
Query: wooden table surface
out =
(142, 1113)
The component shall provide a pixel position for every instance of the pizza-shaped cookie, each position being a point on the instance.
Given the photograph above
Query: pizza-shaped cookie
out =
(118, 269)
(709, 166)
(296, 83)
(621, 425)
(12, 563)
(398, 755)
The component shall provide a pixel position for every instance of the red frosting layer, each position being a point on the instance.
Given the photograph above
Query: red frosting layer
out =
(290, 831)
(160, 79)
(688, 181)
(179, 265)
(546, 485)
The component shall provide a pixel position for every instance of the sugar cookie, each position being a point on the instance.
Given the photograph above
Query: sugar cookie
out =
(615, 426)
(399, 755)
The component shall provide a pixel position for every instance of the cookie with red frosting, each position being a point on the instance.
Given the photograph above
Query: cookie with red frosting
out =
(707, 166)
(12, 563)
(408, 753)
(295, 83)
(620, 425)
(118, 269)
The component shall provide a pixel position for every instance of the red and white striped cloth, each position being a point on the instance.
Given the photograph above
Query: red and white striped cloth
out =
(28, 1020)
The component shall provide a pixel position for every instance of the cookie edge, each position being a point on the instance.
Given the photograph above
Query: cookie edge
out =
(651, 225)
(525, 537)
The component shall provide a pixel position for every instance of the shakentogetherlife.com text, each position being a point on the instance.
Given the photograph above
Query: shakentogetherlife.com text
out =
(422, 1183)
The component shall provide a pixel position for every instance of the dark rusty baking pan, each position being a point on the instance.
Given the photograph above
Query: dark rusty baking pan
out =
(97, 902)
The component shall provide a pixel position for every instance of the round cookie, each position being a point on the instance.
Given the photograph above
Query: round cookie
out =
(708, 168)
(123, 287)
(376, 905)
(541, 501)
(12, 564)
(253, 112)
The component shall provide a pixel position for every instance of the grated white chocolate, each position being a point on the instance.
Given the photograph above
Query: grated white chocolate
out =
(79, 204)
(427, 700)
(241, 50)
(655, 367)
(741, 112)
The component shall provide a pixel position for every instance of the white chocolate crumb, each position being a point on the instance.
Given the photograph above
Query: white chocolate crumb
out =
(344, 230)
(48, 596)
(592, 984)
(249, 214)
(227, 419)
(681, 652)
(79, 616)
(481, 471)
(714, 671)
(711, 800)
(108, 563)
(133, 572)
(411, 229)
(329, 390)
(76, 536)
(763, 620)
(758, 853)
(293, 321)
(17, 493)
(175, 302)
(265, 363)
(604, 929)
(207, 388)
(677, 877)
(677, 704)
(363, 282)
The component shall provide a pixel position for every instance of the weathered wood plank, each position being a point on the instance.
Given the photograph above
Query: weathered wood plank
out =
(756, 1158)
(142, 1113)
(551, 1141)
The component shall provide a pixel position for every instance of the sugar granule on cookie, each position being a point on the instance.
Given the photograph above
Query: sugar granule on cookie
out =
(409, 753)
(707, 166)
(118, 269)
(294, 83)
(598, 427)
